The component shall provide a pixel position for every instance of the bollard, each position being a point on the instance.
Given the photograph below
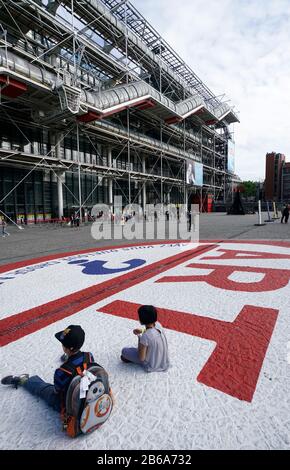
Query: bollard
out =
(269, 217)
(275, 212)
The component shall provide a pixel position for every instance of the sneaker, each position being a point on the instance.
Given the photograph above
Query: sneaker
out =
(15, 380)
(125, 360)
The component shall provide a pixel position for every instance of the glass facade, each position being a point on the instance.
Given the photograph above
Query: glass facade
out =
(36, 198)
(33, 195)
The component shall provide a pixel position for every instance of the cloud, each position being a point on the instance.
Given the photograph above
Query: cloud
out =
(241, 48)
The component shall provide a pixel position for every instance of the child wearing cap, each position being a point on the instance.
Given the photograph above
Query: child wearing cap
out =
(72, 339)
(152, 351)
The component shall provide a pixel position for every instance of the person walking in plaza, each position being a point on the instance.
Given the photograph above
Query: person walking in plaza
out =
(285, 214)
(4, 231)
(152, 351)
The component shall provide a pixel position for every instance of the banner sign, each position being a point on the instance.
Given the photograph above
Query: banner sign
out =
(231, 156)
(194, 173)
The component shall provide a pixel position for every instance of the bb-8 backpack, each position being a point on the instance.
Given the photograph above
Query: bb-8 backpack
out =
(88, 398)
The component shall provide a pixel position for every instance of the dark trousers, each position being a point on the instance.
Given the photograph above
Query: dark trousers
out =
(286, 217)
(36, 386)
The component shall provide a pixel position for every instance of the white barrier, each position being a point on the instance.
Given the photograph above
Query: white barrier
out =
(259, 215)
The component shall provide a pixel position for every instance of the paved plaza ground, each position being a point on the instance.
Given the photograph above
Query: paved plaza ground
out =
(224, 303)
(44, 240)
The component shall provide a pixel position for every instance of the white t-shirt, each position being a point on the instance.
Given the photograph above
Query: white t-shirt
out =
(157, 359)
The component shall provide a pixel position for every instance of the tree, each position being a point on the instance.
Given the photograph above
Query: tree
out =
(250, 188)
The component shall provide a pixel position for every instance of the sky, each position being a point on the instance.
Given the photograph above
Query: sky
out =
(240, 48)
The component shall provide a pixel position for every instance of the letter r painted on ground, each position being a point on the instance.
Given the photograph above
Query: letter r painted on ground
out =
(242, 254)
(273, 278)
(235, 364)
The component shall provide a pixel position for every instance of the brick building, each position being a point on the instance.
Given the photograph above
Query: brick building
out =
(273, 180)
(285, 190)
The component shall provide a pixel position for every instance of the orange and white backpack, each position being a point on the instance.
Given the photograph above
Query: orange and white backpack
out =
(88, 401)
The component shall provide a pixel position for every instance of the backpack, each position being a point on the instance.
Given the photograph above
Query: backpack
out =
(88, 402)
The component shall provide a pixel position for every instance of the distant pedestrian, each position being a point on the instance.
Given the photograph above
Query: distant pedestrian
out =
(285, 214)
(4, 231)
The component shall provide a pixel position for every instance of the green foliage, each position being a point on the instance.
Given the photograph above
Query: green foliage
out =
(250, 188)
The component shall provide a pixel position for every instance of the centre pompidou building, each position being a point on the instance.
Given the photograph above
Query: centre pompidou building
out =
(94, 103)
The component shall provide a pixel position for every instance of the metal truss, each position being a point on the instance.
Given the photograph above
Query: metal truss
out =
(128, 14)
(84, 47)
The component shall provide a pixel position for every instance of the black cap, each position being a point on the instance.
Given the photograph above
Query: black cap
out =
(72, 337)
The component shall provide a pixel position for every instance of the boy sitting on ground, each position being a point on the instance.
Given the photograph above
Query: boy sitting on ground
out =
(72, 339)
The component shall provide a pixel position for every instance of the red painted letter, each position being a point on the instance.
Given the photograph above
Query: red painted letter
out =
(236, 362)
(237, 254)
(273, 278)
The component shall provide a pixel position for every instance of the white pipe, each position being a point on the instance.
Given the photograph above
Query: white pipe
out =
(79, 175)
(110, 185)
(60, 194)
(144, 185)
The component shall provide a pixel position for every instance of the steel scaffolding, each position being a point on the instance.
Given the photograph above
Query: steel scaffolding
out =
(97, 74)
